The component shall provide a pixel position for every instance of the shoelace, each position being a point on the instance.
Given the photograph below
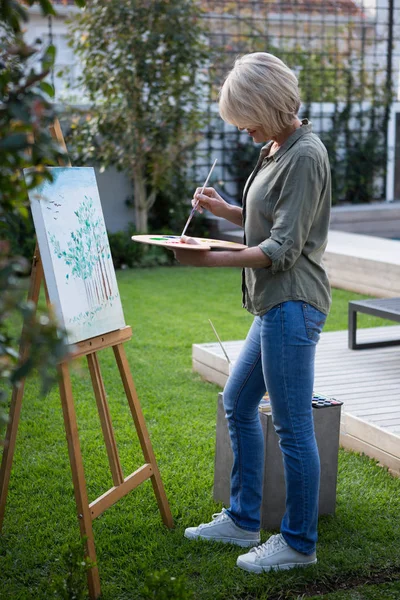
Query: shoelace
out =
(216, 518)
(275, 542)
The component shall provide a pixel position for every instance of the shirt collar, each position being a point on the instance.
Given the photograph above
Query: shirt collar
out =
(305, 127)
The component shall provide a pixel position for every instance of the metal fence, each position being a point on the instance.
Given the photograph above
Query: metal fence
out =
(346, 56)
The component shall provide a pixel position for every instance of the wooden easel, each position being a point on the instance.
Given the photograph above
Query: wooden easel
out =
(122, 485)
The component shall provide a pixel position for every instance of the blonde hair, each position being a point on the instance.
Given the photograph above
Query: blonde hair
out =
(260, 90)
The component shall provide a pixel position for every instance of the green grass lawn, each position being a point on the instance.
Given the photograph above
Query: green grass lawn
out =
(168, 309)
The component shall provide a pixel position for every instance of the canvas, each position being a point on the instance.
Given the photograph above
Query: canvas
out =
(75, 253)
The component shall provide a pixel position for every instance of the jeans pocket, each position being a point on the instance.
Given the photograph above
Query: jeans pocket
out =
(314, 321)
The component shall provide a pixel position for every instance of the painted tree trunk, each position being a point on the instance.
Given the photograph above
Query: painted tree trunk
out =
(96, 287)
(89, 294)
(104, 277)
(100, 280)
(104, 271)
(105, 262)
(109, 275)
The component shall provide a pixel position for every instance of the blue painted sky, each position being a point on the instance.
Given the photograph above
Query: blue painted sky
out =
(79, 177)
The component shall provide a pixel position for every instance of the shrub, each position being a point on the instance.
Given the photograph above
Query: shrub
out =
(72, 584)
(128, 254)
(162, 586)
(20, 233)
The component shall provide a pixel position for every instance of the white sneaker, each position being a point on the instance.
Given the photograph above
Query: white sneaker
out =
(223, 529)
(274, 554)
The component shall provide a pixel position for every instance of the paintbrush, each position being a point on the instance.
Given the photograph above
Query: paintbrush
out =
(197, 203)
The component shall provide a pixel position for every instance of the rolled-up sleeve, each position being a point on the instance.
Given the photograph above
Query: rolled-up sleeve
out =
(294, 213)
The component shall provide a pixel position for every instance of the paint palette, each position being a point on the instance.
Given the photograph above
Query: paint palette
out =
(175, 241)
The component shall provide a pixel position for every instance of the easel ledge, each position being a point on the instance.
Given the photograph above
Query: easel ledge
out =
(122, 486)
(120, 336)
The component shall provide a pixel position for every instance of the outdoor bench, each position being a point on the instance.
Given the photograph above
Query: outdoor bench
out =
(386, 308)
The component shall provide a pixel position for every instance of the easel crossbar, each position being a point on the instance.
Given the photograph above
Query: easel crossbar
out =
(98, 506)
(100, 342)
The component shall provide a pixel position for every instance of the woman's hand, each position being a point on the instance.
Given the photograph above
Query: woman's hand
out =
(210, 200)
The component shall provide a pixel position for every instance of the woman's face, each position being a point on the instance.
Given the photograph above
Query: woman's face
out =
(258, 134)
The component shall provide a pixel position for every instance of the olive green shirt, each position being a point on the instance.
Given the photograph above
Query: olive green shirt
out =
(286, 211)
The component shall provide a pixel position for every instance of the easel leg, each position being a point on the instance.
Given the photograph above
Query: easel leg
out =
(9, 447)
(18, 393)
(136, 410)
(78, 476)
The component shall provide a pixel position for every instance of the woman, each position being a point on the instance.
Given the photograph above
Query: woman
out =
(285, 216)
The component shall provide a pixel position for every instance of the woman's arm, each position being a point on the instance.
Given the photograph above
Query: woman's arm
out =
(253, 258)
(212, 201)
(234, 215)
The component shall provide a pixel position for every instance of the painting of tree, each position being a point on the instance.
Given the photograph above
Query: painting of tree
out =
(76, 254)
(88, 254)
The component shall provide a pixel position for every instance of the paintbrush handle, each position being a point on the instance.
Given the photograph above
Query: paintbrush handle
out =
(197, 203)
(189, 219)
(208, 176)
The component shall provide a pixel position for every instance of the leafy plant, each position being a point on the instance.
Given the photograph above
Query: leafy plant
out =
(242, 159)
(162, 586)
(40, 332)
(26, 114)
(142, 74)
(20, 233)
(357, 158)
(71, 584)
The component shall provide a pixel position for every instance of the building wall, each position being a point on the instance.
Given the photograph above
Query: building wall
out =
(114, 189)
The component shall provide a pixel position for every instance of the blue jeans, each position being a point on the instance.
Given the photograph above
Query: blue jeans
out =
(278, 356)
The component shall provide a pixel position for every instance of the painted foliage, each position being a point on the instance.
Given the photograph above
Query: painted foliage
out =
(76, 254)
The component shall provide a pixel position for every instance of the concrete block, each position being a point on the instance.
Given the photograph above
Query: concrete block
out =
(327, 430)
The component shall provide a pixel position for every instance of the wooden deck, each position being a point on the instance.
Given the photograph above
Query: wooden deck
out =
(363, 263)
(367, 381)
